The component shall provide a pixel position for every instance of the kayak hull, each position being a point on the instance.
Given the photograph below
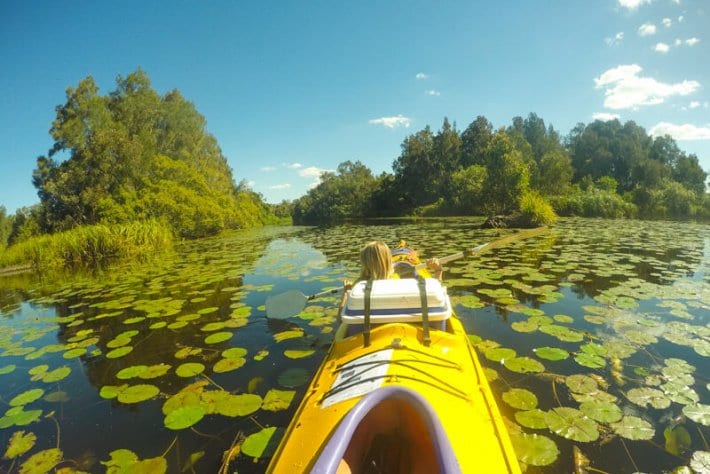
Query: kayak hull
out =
(398, 405)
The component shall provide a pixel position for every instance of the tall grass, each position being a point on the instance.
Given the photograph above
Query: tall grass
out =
(90, 246)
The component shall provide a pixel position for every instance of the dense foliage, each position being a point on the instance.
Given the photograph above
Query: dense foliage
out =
(134, 155)
(603, 169)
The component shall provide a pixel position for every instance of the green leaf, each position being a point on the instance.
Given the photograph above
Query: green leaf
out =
(189, 369)
(27, 397)
(56, 375)
(238, 405)
(591, 361)
(262, 444)
(498, 354)
(218, 337)
(700, 461)
(581, 383)
(520, 398)
(234, 353)
(19, 444)
(531, 418)
(293, 378)
(41, 462)
(634, 428)
(677, 440)
(534, 449)
(524, 365)
(111, 391)
(698, 413)
(276, 400)
(551, 353)
(227, 365)
(572, 424)
(131, 372)
(184, 417)
(7, 369)
(648, 396)
(138, 393)
(604, 412)
(120, 352)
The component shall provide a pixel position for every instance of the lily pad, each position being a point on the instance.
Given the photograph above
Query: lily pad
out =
(524, 365)
(677, 439)
(634, 428)
(698, 413)
(276, 400)
(218, 337)
(238, 405)
(520, 398)
(189, 369)
(551, 353)
(581, 383)
(234, 353)
(648, 396)
(138, 393)
(120, 352)
(531, 418)
(227, 365)
(534, 449)
(7, 369)
(498, 354)
(572, 424)
(42, 461)
(293, 378)
(27, 397)
(184, 417)
(20, 443)
(590, 360)
(262, 444)
(700, 462)
(604, 412)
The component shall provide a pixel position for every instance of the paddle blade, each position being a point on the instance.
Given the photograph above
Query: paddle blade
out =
(285, 305)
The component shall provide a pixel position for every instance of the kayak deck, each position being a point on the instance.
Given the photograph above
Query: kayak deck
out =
(394, 431)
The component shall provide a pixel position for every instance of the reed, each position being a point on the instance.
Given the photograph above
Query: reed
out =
(90, 246)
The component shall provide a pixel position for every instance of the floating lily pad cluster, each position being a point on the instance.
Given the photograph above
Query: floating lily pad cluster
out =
(613, 317)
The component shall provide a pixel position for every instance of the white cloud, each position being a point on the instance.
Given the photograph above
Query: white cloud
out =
(295, 166)
(421, 75)
(392, 122)
(312, 172)
(680, 19)
(647, 29)
(432, 92)
(604, 116)
(681, 132)
(625, 89)
(677, 42)
(250, 184)
(632, 4)
(661, 48)
(692, 41)
(615, 40)
(266, 169)
(667, 22)
(280, 186)
(694, 104)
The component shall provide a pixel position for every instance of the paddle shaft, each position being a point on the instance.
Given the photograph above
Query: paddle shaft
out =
(323, 293)
(488, 246)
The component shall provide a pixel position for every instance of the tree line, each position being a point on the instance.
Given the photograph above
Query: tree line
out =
(133, 155)
(604, 169)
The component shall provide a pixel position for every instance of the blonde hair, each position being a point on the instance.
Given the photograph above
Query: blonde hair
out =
(376, 261)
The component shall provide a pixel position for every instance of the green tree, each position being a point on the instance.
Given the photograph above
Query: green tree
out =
(554, 173)
(688, 172)
(134, 154)
(5, 226)
(340, 195)
(467, 185)
(474, 141)
(508, 176)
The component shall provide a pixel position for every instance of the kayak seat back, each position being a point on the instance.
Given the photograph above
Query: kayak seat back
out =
(392, 429)
(397, 301)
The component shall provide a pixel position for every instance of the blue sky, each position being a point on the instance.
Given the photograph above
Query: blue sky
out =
(290, 89)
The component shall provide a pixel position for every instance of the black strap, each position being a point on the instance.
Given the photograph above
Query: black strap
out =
(425, 308)
(366, 325)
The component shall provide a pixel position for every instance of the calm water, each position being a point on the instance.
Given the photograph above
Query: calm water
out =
(100, 363)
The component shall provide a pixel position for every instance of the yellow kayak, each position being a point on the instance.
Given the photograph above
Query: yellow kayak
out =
(404, 393)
